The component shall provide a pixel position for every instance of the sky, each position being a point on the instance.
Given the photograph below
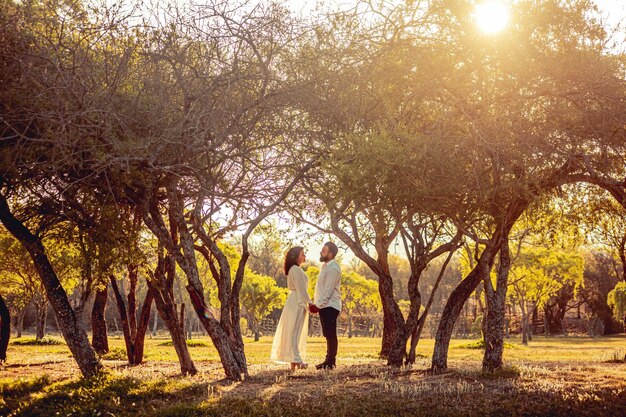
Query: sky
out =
(614, 10)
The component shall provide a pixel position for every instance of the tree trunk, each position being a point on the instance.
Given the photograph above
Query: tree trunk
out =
(226, 333)
(99, 339)
(454, 306)
(524, 324)
(349, 326)
(42, 318)
(161, 289)
(133, 276)
(154, 324)
(496, 310)
(417, 333)
(121, 308)
(462, 292)
(134, 345)
(394, 327)
(74, 334)
(142, 328)
(5, 329)
(20, 323)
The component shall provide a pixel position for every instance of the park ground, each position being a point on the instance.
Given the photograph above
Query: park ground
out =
(568, 376)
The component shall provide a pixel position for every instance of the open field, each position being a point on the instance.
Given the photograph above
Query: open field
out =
(553, 376)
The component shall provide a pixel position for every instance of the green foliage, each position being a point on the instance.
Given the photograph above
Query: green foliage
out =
(27, 341)
(357, 292)
(116, 354)
(260, 296)
(480, 344)
(617, 301)
(539, 273)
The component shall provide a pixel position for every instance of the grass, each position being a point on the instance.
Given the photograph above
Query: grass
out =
(190, 343)
(551, 376)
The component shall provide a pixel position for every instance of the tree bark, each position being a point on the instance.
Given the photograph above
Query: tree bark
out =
(225, 335)
(462, 292)
(134, 345)
(133, 275)
(74, 334)
(42, 318)
(495, 317)
(415, 337)
(20, 323)
(99, 339)
(161, 288)
(5, 329)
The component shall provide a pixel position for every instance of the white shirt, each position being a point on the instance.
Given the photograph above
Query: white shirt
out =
(327, 293)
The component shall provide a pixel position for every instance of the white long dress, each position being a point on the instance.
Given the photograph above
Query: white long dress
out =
(293, 327)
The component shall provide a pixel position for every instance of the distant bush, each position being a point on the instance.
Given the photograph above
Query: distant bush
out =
(480, 344)
(115, 354)
(46, 341)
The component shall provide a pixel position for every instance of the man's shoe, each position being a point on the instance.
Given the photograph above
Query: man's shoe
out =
(325, 365)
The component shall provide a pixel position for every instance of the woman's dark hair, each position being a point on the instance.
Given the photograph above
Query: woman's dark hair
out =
(291, 258)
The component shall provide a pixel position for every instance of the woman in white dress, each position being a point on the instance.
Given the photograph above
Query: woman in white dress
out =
(293, 327)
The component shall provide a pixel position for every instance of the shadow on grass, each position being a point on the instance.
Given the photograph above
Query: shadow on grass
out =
(353, 390)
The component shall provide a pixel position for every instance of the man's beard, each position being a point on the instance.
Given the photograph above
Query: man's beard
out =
(323, 258)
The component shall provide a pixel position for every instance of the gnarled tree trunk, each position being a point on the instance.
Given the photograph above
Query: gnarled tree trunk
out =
(161, 286)
(134, 345)
(495, 316)
(99, 339)
(462, 292)
(73, 332)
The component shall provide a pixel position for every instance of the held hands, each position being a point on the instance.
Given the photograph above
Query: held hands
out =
(313, 309)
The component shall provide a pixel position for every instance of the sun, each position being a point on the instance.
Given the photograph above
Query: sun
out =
(491, 16)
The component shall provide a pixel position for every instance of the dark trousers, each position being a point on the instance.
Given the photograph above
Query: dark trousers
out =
(328, 319)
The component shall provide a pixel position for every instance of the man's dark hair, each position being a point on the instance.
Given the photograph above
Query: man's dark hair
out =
(332, 248)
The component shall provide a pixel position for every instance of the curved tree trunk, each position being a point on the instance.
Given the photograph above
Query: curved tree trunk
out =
(5, 329)
(74, 334)
(99, 339)
(453, 308)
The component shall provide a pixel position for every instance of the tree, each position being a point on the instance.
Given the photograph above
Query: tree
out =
(5, 329)
(266, 251)
(617, 301)
(260, 296)
(359, 295)
(538, 275)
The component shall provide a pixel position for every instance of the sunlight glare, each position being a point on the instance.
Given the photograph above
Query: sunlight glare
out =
(491, 16)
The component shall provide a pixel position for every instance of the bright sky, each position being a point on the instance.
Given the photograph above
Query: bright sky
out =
(614, 10)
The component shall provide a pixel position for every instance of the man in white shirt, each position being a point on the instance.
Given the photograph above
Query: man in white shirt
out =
(328, 301)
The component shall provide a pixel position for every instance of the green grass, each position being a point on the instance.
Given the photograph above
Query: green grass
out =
(190, 343)
(550, 376)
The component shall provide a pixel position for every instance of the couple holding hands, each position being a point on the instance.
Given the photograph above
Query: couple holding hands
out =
(289, 344)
